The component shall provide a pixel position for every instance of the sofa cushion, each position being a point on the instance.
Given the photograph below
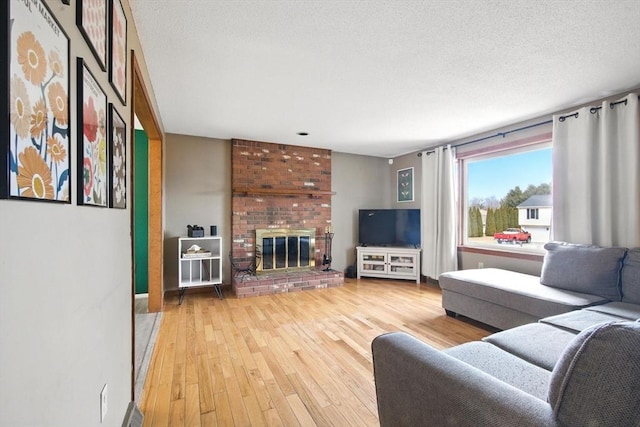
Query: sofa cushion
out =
(596, 382)
(624, 310)
(537, 343)
(522, 292)
(578, 321)
(631, 277)
(503, 366)
(418, 385)
(583, 268)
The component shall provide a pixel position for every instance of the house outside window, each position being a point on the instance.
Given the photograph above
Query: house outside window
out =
(534, 215)
(507, 197)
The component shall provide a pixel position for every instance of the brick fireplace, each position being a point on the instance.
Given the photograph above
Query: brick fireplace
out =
(280, 187)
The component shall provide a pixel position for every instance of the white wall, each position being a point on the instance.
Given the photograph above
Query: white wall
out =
(66, 301)
(197, 191)
(65, 313)
(360, 182)
(468, 260)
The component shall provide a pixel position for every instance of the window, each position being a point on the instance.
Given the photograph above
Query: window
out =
(507, 196)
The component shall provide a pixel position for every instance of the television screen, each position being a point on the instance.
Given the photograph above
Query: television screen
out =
(389, 227)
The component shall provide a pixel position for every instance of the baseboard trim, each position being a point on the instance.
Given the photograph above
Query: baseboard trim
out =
(133, 417)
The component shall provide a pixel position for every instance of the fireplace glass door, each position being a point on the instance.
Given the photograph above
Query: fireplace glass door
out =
(286, 249)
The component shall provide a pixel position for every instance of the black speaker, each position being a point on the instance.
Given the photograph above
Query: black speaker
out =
(214, 230)
(351, 272)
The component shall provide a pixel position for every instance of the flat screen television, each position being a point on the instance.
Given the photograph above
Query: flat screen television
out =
(389, 227)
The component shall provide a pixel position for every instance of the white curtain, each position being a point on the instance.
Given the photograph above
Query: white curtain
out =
(596, 183)
(438, 212)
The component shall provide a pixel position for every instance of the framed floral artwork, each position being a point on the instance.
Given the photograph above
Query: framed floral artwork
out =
(405, 185)
(34, 87)
(91, 19)
(118, 49)
(92, 139)
(118, 163)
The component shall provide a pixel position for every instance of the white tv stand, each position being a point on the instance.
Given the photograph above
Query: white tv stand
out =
(389, 262)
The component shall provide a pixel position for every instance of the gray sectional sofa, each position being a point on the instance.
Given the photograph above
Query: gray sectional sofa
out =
(572, 357)
(573, 277)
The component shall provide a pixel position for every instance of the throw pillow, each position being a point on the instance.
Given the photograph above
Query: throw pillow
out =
(583, 268)
(631, 277)
(597, 379)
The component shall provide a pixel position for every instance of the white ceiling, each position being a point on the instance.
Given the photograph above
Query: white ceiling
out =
(380, 78)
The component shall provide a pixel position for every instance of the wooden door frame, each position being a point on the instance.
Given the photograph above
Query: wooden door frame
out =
(142, 109)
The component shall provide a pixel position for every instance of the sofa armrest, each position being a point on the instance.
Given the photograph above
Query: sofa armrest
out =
(419, 385)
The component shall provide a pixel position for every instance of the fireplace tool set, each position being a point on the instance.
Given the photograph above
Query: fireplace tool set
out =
(328, 239)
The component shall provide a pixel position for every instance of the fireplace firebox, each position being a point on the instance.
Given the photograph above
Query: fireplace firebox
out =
(284, 249)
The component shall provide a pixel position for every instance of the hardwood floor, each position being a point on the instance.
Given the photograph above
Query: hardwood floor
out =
(288, 359)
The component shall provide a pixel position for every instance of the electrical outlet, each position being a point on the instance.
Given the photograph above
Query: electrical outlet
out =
(103, 403)
(481, 265)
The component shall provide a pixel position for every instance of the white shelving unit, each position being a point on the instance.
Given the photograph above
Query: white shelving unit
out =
(389, 262)
(200, 269)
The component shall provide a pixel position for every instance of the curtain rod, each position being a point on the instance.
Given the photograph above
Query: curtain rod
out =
(593, 110)
(502, 134)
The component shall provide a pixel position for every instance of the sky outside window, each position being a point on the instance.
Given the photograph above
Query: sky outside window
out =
(496, 176)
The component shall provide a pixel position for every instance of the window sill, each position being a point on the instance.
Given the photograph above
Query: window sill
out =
(515, 253)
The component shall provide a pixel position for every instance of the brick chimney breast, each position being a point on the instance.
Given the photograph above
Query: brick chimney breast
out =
(278, 186)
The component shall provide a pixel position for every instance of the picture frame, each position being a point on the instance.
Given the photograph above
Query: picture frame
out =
(92, 139)
(405, 185)
(35, 138)
(118, 160)
(91, 19)
(118, 49)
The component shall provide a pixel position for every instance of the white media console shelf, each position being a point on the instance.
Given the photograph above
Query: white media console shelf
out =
(389, 262)
(200, 268)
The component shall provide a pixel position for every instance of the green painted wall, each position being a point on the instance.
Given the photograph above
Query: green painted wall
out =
(141, 211)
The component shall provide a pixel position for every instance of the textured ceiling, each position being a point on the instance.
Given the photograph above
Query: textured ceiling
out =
(380, 78)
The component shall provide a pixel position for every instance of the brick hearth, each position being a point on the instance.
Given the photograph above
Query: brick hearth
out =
(275, 283)
(279, 186)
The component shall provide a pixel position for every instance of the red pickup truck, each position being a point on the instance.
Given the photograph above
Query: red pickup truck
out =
(513, 235)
